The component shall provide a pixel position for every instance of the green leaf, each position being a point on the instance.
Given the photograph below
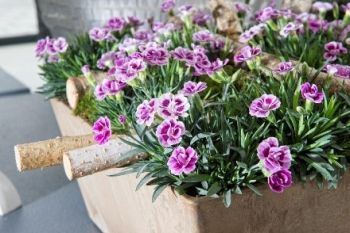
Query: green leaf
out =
(227, 198)
(214, 188)
(144, 180)
(254, 189)
(157, 191)
(196, 178)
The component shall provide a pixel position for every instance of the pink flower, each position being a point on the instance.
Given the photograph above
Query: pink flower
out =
(334, 49)
(251, 33)
(156, 55)
(99, 34)
(322, 6)
(173, 106)
(182, 160)
(107, 60)
(41, 47)
(284, 67)
(100, 93)
(130, 69)
(145, 112)
(115, 24)
(280, 181)
(203, 36)
(246, 53)
(240, 7)
(274, 157)
(316, 25)
(266, 14)
(102, 130)
(201, 18)
(85, 69)
(113, 87)
(122, 119)
(191, 88)
(290, 27)
(262, 106)
(134, 21)
(167, 5)
(311, 93)
(183, 54)
(59, 45)
(339, 70)
(170, 132)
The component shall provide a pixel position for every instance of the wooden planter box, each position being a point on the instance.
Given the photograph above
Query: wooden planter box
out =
(114, 205)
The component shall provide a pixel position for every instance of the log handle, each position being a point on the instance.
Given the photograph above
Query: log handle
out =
(95, 158)
(49, 152)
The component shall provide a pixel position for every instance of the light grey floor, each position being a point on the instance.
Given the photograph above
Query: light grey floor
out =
(50, 202)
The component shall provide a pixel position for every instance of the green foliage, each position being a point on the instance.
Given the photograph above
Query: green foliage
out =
(81, 51)
(87, 108)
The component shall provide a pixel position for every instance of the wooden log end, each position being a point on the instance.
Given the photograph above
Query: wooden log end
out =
(67, 167)
(19, 162)
(75, 89)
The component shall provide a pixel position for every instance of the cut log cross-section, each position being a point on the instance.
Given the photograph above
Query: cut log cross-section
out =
(49, 152)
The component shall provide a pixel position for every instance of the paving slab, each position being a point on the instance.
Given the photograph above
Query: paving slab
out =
(60, 212)
(28, 118)
(10, 86)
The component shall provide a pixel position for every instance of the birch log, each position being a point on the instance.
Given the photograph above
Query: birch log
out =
(226, 18)
(76, 87)
(85, 161)
(49, 152)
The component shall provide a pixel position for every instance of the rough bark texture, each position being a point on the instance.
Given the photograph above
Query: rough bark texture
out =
(88, 160)
(47, 153)
(226, 18)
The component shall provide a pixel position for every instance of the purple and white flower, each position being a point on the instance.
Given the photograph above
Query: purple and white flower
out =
(100, 93)
(284, 67)
(316, 25)
(122, 119)
(333, 50)
(183, 54)
(99, 34)
(273, 156)
(251, 33)
(113, 87)
(115, 24)
(41, 47)
(201, 18)
(102, 130)
(134, 21)
(107, 60)
(129, 70)
(191, 88)
(155, 55)
(322, 6)
(310, 92)
(59, 45)
(241, 7)
(339, 70)
(167, 5)
(262, 106)
(280, 181)
(266, 14)
(246, 53)
(173, 106)
(146, 111)
(170, 132)
(203, 36)
(290, 27)
(182, 160)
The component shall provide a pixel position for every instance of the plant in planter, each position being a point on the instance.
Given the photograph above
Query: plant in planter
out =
(206, 119)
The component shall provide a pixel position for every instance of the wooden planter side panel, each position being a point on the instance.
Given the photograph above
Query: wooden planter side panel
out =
(115, 206)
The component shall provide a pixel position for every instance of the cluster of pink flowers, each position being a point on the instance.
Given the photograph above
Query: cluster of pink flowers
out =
(333, 50)
(102, 130)
(276, 161)
(51, 48)
(109, 87)
(115, 24)
(262, 106)
(198, 59)
(246, 53)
